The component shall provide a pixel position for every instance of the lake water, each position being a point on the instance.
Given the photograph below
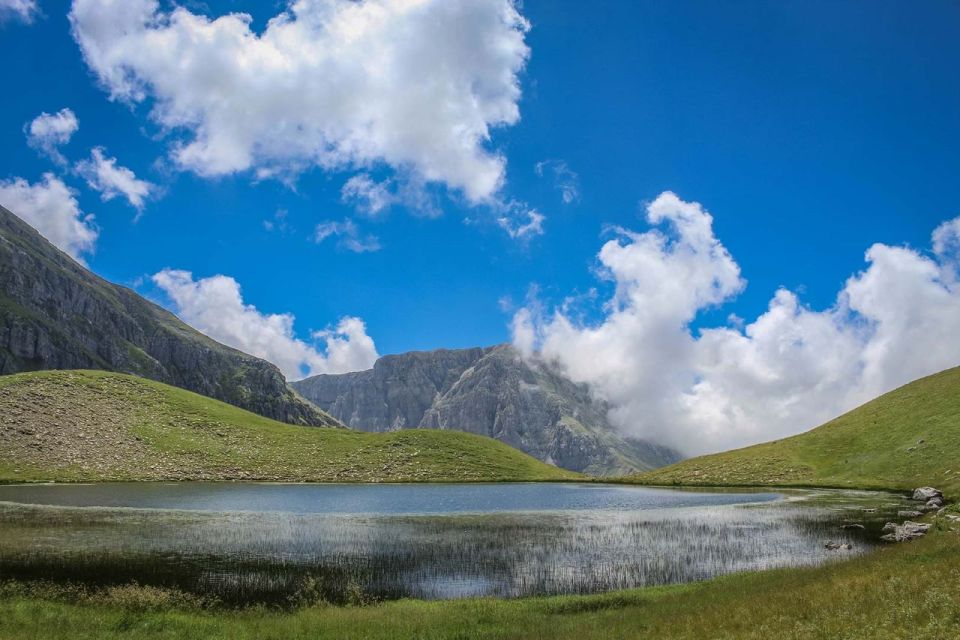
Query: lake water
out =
(279, 543)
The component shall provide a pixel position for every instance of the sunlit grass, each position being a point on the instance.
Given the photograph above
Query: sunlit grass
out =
(907, 438)
(70, 426)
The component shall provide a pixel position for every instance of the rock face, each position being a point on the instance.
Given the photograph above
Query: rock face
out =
(55, 314)
(491, 391)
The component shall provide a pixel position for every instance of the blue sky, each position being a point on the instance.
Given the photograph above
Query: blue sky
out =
(810, 130)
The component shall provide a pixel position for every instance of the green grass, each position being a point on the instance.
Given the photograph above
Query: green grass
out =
(907, 590)
(877, 445)
(71, 426)
(911, 590)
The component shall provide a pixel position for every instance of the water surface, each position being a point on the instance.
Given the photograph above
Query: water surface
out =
(380, 499)
(279, 543)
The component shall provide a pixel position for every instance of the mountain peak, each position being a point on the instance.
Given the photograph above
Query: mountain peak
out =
(527, 403)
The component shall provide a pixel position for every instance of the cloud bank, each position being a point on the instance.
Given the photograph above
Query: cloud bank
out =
(215, 306)
(51, 208)
(415, 84)
(788, 370)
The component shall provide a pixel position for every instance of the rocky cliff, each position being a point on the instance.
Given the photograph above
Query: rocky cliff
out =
(528, 404)
(55, 314)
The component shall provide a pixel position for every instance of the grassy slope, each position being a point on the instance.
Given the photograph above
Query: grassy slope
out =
(93, 425)
(910, 590)
(869, 447)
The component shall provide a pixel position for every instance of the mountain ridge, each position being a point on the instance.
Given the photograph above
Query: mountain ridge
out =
(56, 314)
(527, 403)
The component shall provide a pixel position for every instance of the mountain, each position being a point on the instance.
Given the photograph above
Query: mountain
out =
(55, 314)
(906, 438)
(96, 425)
(492, 391)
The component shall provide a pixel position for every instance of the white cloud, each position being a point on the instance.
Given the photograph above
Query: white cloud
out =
(946, 239)
(520, 222)
(371, 198)
(565, 179)
(215, 307)
(790, 369)
(348, 347)
(23, 10)
(47, 132)
(111, 180)
(368, 196)
(415, 84)
(348, 236)
(51, 208)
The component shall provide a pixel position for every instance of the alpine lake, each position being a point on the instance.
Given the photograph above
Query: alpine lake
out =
(284, 544)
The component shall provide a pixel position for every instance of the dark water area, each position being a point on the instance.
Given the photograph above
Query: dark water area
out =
(284, 544)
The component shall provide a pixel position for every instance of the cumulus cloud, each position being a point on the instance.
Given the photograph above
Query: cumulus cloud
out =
(23, 10)
(565, 179)
(416, 85)
(215, 307)
(788, 370)
(47, 132)
(348, 236)
(103, 174)
(51, 208)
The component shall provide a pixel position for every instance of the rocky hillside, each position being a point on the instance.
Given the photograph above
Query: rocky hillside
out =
(55, 314)
(490, 391)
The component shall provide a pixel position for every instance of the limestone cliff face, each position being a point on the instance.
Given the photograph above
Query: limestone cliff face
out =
(55, 314)
(491, 391)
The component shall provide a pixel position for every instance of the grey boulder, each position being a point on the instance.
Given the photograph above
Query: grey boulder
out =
(926, 493)
(904, 532)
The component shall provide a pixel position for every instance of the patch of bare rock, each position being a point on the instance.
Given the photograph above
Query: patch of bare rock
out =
(932, 500)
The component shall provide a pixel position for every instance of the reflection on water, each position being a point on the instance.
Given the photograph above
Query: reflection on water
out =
(374, 499)
(274, 555)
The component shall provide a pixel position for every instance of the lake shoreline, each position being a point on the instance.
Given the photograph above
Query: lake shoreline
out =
(271, 543)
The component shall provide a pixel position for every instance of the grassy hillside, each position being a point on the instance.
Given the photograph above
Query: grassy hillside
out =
(907, 591)
(905, 438)
(93, 425)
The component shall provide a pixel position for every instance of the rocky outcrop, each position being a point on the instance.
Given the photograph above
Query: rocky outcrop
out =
(904, 532)
(493, 391)
(923, 494)
(932, 499)
(55, 314)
